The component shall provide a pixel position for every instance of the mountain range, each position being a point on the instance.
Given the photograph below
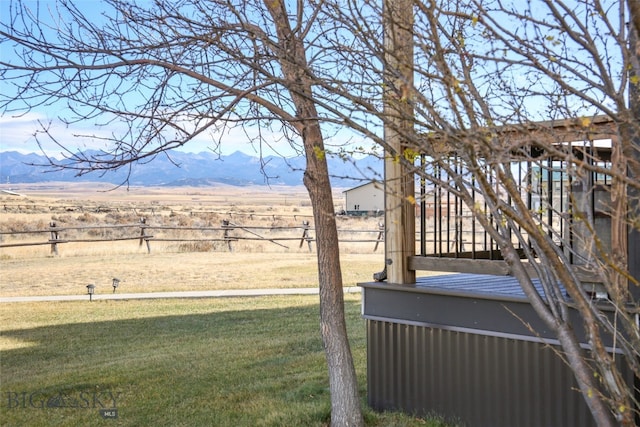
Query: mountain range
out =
(194, 169)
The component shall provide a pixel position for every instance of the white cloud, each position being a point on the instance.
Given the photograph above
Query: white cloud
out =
(16, 133)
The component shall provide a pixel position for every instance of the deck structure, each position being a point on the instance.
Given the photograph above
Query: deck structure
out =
(467, 343)
(469, 347)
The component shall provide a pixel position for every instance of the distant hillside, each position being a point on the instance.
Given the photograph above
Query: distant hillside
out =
(189, 169)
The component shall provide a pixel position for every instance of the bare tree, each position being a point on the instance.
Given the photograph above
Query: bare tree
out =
(171, 71)
(498, 85)
(483, 72)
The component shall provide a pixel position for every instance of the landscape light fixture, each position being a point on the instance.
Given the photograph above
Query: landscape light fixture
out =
(90, 290)
(115, 284)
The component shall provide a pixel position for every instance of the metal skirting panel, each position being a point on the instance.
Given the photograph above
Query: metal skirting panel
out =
(480, 380)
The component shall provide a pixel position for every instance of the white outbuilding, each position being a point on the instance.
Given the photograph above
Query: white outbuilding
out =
(366, 199)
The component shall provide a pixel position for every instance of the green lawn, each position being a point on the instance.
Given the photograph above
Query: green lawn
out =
(201, 362)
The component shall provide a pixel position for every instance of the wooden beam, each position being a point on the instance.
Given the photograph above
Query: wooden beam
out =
(534, 135)
(560, 131)
(398, 126)
(633, 157)
(459, 265)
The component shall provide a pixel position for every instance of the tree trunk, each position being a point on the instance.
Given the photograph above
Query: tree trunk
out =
(345, 401)
(343, 384)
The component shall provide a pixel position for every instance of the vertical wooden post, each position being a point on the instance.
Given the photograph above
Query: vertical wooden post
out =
(305, 234)
(142, 230)
(380, 236)
(619, 221)
(143, 234)
(633, 194)
(53, 237)
(633, 156)
(398, 112)
(227, 237)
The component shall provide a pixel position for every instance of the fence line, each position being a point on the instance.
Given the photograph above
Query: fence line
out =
(138, 210)
(229, 233)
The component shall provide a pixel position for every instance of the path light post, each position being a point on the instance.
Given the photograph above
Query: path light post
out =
(115, 282)
(90, 290)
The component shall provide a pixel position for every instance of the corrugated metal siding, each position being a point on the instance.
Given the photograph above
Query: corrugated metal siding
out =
(480, 379)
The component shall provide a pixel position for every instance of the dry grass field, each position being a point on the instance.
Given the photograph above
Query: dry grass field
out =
(223, 361)
(170, 266)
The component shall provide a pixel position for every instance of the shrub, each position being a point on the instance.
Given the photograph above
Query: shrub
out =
(196, 247)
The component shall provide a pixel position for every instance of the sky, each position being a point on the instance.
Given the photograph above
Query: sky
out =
(17, 133)
(18, 129)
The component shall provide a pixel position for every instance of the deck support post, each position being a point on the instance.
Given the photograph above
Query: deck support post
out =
(398, 127)
(633, 153)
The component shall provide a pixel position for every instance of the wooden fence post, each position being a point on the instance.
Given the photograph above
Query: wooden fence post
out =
(227, 237)
(305, 235)
(380, 235)
(53, 237)
(143, 228)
